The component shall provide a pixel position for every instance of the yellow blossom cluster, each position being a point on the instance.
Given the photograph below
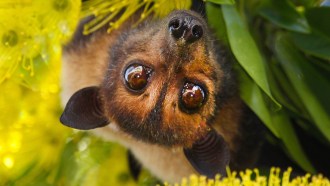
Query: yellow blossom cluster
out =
(254, 178)
(32, 32)
(115, 12)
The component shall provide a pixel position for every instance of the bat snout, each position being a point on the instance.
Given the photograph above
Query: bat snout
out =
(185, 27)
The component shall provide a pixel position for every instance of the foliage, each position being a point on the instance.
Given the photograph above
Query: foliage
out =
(282, 48)
(283, 79)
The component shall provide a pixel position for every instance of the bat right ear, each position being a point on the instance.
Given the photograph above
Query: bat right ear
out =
(210, 155)
(84, 110)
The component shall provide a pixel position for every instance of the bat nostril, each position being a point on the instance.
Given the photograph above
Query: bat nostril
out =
(174, 24)
(197, 31)
(176, 28)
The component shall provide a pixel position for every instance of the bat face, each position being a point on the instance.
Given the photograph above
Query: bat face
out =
(162, 81)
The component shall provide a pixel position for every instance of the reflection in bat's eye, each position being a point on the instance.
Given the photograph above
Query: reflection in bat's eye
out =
(192, 96)
(136, 76)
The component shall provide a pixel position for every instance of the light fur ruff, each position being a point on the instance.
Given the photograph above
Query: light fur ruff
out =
(87, 61)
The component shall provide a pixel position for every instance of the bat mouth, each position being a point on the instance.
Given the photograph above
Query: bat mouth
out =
(164, 134)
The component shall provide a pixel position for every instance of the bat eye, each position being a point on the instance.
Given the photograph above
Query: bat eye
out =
(136, 76)
(192, 96)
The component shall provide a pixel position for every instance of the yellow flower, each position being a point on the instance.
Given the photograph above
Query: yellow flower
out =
(31, 30)
(31, 36)
(253, 178)
(58, 18)
(105, 11)
(18, 41)
(30, 130)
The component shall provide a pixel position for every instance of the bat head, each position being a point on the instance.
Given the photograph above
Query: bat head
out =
(162, 84)
(162, 80)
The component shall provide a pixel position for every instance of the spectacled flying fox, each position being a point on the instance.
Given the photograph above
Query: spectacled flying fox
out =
(165, 90)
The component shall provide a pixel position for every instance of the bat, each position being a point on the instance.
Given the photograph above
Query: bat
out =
(166, 91)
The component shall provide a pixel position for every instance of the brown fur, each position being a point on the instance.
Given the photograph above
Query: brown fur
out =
(152, 124)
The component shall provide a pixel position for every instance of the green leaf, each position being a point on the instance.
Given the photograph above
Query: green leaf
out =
(290, 139)
(283, 14)
(284, 92)
(64, 174)
(307, 3)
(312, 88)
(322, 66)
(219, 2)
(313, 44)
(318, 18)
(216, 22)
(245, 49)
(277, 122)
(253, 97)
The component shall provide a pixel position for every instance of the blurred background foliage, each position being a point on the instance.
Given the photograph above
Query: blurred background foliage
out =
(282, 49)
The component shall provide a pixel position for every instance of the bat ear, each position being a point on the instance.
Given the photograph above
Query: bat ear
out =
(209, 155)
(84, 110)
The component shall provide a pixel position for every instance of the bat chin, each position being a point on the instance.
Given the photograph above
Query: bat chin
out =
(166, 137)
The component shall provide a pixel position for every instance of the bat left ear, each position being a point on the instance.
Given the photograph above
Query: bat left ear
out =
(209, 155)
(84, 110)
